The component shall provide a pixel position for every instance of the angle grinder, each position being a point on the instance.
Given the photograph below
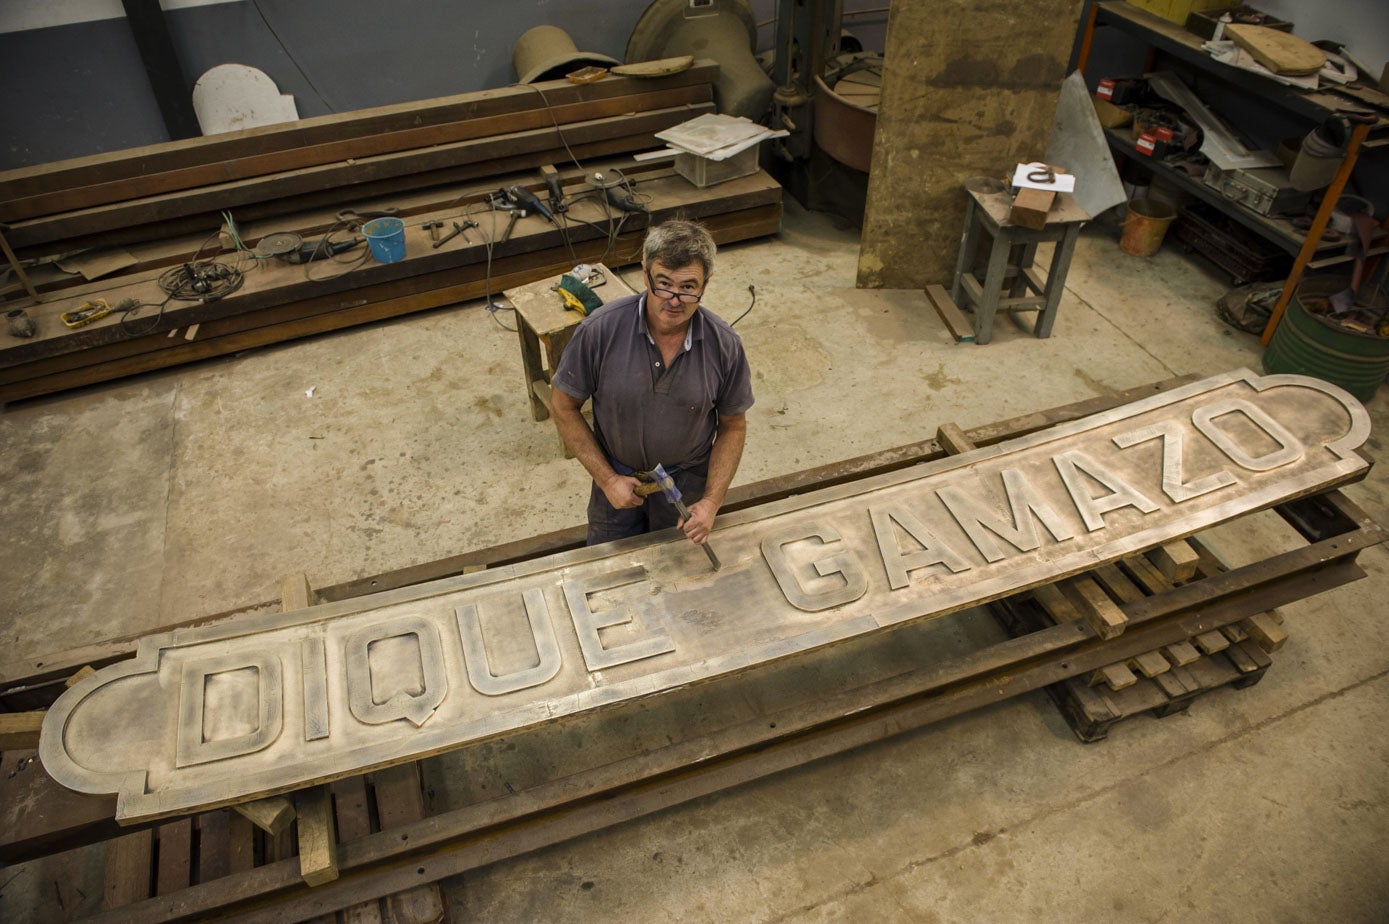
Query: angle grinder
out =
(290, 247)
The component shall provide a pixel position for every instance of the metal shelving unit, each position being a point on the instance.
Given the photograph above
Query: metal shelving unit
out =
(1170, 38)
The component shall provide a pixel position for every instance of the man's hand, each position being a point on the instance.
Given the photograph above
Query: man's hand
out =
(701, 520)
(620, 490)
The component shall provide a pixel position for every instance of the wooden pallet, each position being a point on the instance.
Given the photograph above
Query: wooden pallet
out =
(1161, 682)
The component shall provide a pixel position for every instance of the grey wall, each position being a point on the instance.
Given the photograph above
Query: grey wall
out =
(78, 88)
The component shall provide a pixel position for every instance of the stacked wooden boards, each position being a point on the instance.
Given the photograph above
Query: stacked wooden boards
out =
(432, 161)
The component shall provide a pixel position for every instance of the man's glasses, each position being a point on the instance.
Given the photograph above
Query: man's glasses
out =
(688, 298)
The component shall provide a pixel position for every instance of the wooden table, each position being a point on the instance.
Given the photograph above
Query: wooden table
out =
(1010, 258)
(544, 327)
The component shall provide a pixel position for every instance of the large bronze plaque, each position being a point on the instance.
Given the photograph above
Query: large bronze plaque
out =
(207, 716)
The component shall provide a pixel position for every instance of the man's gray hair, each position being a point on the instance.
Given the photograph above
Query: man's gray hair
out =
(677, 244)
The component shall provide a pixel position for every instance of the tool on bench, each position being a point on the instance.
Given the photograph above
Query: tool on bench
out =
(552, 183)
(291, 248)
(433, 228)
(522, 198)
(575, 290)
(354, 218)
(86, 313)
(659, 480)
(457, 230)
(623, 201)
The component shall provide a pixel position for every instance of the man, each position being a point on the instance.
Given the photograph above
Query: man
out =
(670, 384)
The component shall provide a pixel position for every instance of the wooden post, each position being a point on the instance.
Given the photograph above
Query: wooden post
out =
(318, 836)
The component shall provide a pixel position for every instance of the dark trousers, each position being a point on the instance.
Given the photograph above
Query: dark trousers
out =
(606, 522)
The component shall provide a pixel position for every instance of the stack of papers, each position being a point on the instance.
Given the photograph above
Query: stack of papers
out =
(717, 137)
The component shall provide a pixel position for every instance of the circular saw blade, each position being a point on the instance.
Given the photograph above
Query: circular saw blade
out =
(278, 244)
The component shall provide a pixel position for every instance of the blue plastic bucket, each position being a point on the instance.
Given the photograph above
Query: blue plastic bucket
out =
(386, 237)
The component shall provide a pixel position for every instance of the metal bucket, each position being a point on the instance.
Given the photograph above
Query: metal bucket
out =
(1308, 344)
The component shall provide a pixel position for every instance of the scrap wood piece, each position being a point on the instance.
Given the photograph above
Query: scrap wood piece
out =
(399, 802)
(1150, 664)
(1264, 629)
(1116, 676)
(174, 870)
(1176, 560)
(953, 439)
(128, 860)
(950, 314)
(318, 836)
(1057, 605)
(78, 676)
(1211, 642)
(1181, 654)
(19, 731)
(1094, 605)
(272, 815)
(1280, 52)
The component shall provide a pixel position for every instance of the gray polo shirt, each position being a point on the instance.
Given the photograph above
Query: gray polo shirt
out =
(644, 413)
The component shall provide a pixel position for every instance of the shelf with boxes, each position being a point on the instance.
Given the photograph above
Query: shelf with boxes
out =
(1255, 200)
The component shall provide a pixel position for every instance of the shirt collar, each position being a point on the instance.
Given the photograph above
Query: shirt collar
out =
(641, 319)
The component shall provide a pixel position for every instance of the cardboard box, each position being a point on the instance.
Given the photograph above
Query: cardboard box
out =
(1202, 22)
(1177, 10)
(703, 172)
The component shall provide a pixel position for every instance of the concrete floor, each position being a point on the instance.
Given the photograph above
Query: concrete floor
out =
(189, 492)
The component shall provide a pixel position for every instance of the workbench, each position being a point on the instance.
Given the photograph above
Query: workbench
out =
(544, 326)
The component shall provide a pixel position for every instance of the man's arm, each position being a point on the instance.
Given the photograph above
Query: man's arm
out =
(724, 457)
(578, 436)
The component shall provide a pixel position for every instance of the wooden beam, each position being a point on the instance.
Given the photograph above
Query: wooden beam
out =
(19, 731)
(1176, 560)
(1102, 614)
(133, 163)
(318, 836)
(272, 815)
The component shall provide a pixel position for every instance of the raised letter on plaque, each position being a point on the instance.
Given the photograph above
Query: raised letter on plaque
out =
(588, 623)
(410, 675)
(1289, 447)
(844, 564)
(981, 522)
(475, 648)
(1172, 484)
(243, 713)
(1092, 509)
(314, 659)
(898, 563)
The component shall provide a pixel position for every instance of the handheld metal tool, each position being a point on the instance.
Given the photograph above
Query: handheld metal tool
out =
(433, 228)
(527, 201)
(457, 230)
(659, 480)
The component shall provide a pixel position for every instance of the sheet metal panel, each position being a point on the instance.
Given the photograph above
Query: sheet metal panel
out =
(213, 715)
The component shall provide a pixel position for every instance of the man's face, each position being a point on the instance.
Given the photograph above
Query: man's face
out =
(672, 295)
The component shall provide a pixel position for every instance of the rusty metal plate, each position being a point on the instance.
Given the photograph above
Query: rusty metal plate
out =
(207, 716)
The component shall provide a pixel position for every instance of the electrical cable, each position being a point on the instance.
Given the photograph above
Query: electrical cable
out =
(285, 49)
(752, 290)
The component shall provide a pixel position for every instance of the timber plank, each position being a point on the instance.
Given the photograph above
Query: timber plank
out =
(265, 164)
(175, 847)
(333, 199)
(318, 836)
(164, 353)
(158, 158)
(336, 176)
(128, 867)
(19, 731)
(274, 284)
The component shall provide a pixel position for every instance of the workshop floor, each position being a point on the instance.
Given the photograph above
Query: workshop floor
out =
(161, 498)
